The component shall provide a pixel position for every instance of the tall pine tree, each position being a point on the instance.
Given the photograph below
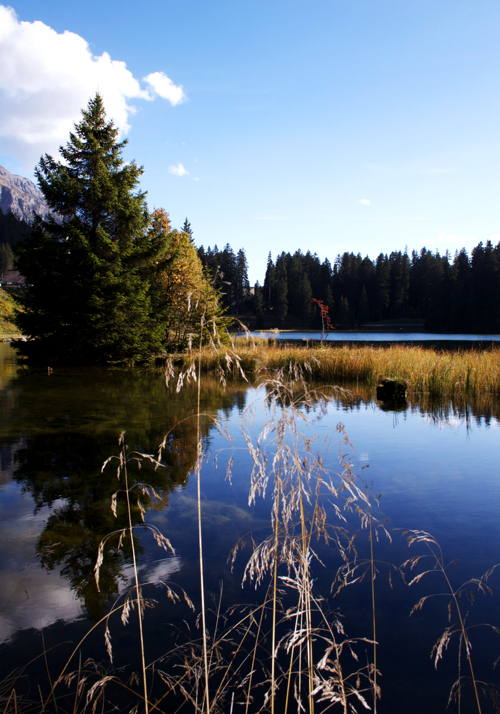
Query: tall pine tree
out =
(89, 299)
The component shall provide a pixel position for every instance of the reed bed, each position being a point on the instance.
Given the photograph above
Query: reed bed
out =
(426, 370)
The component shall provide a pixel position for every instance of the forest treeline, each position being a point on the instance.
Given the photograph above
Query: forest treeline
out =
(445, 293)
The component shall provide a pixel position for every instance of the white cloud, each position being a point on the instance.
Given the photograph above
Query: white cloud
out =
(365, 201)
(178, 170)
(154, 572)
(48, 77)
(165, 88)
(494, 238)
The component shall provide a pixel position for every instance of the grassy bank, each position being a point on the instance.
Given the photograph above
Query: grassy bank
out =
(7, 327)
(426, 370)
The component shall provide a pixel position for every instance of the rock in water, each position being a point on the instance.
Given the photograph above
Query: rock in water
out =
(391, 390)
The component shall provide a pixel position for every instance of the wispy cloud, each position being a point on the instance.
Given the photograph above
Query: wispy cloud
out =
(365, 201)
(48, 77)
(178, 170)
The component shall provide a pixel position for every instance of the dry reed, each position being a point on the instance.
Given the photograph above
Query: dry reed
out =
(426, 370)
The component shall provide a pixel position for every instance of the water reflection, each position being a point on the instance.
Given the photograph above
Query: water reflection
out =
(400, 336)
(56, 430)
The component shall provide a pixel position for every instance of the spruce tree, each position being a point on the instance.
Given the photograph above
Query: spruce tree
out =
(90, 276)
(242, 284)
(186, 228)
(6, 258)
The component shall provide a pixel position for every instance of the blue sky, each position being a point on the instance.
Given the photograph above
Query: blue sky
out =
(324, 125)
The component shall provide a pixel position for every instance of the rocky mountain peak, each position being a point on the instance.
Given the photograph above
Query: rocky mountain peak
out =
(21, 196)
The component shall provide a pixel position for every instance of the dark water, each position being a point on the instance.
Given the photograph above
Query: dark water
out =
(436, 466)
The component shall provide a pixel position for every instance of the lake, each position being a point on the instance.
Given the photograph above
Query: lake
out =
(400, 336)
(434, 466)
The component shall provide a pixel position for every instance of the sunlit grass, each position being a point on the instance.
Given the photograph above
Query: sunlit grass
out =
(425, 369)
(7, 326)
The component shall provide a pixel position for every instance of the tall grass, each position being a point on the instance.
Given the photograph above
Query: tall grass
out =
(426, 370)
(464, 593)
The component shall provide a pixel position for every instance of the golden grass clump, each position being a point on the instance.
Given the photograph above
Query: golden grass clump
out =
(425, 369)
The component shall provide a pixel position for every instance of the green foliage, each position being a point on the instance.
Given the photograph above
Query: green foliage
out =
(258, 304)
(229, 274)
(90, 276)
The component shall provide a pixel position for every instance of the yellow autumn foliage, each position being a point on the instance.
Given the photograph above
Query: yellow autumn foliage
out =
(188, 300)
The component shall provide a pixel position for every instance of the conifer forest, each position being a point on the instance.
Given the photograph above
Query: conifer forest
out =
(459, 293)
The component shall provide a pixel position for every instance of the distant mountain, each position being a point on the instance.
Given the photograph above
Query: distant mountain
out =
(21, 196)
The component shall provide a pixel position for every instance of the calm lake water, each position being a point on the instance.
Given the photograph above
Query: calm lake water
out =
(400, 336)
(436, 467)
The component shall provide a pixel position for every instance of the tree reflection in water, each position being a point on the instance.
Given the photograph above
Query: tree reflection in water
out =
(63, 442)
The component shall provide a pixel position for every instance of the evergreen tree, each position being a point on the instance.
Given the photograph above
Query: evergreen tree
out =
(295, 274)
(306, 295)
(242, 284)
(330, 303)
(210, 259)
(89, 299)
(383, 285)
(345, 316)
(6, 258)
(325, 280)
(258, 304)
(462, 316)
(281, 305)
(226, 276)
(12, 228)
(186, 228)
(485, 275)
(363, 308)
(270, 283)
